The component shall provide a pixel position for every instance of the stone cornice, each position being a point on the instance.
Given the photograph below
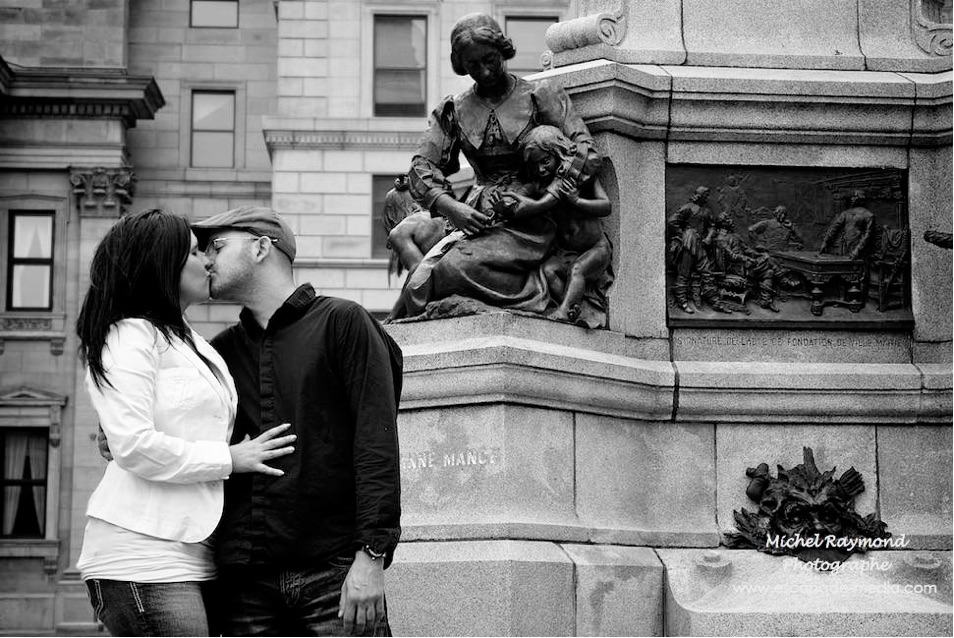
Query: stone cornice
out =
(77, 92)
(343, 139)
(761, 105)
(490, 362)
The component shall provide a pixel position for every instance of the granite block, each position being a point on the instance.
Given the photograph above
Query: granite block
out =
(687, 152)
(743, 446)
(637, 299)
(505, 324)
(936, 401)
(805, 34)
(642, 483)
(480, 588)
(885, 35)
(760, 595)
(486, 464)
(628, 99)
(493, 369)
(619, 590)
(824, 393)
(914, 466)
(929, 197)
(931, 352)
(932, 117)
(803, 346)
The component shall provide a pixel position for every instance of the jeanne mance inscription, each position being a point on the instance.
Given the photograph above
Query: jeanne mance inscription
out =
(450, 458)
(801, 246)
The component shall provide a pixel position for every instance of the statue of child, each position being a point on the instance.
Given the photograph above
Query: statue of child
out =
(583, 252)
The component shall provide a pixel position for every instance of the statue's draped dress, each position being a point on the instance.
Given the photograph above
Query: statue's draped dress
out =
(502, 265)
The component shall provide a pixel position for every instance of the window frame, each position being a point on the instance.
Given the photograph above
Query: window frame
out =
(23, 483)
(49, 325)
(193, 91)
(428, 10)
(12, 261)
(374, 68)
(193, 25)
(28, 408)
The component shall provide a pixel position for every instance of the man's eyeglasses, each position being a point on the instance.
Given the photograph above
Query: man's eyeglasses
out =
(217, 244)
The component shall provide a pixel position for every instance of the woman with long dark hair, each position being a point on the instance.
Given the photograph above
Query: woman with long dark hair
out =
(166, 403)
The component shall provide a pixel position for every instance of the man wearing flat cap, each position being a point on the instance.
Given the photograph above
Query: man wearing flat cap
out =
(303, 553)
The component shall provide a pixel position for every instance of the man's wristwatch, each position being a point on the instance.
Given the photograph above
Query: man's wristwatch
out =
(373, 554)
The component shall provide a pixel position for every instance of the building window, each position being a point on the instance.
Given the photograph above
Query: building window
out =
(23, 465)
(213, 129)
(380, 185)
(400, 66)
(527, 34)
(214, 13)
(30, 261)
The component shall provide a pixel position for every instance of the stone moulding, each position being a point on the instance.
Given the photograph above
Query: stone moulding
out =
(75, 92)
(728, 104)
(513, 370)
(528, 372)
(338, 140)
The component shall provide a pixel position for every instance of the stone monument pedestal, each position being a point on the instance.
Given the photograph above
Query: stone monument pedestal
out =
(569, 482)
(553, 477)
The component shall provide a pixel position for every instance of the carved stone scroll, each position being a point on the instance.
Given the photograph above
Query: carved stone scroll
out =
(931, 34)
(599, 28)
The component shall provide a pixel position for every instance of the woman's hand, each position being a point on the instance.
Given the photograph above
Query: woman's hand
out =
(250, 455)
(466, 218)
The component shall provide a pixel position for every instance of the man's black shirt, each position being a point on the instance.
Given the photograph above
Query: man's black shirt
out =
(327, 367)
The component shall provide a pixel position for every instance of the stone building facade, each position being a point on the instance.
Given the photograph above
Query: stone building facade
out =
(195, 106)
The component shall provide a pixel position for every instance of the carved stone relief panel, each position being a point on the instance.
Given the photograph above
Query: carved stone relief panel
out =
(784, 246)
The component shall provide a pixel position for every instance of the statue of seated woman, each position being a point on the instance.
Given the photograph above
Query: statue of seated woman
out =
(491, 260)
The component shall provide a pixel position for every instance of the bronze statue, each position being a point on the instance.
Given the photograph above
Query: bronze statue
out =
(580, 264)
(410, 229)
(488, 258)
(691, 231)
(850, 232)
(939, 238)
(776, 233)
(753, 269)
(806, 513)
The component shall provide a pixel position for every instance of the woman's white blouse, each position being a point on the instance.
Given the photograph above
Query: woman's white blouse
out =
(167, 417)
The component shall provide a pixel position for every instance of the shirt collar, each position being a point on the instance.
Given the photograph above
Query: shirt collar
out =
(513, 113)
(291, 310)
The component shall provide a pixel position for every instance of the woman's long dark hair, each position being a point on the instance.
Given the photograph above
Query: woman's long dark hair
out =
(134, 273)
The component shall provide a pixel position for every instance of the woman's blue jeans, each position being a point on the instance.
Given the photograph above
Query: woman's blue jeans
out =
(151, 609)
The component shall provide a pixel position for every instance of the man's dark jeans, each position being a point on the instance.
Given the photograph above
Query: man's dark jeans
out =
(268, 602)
